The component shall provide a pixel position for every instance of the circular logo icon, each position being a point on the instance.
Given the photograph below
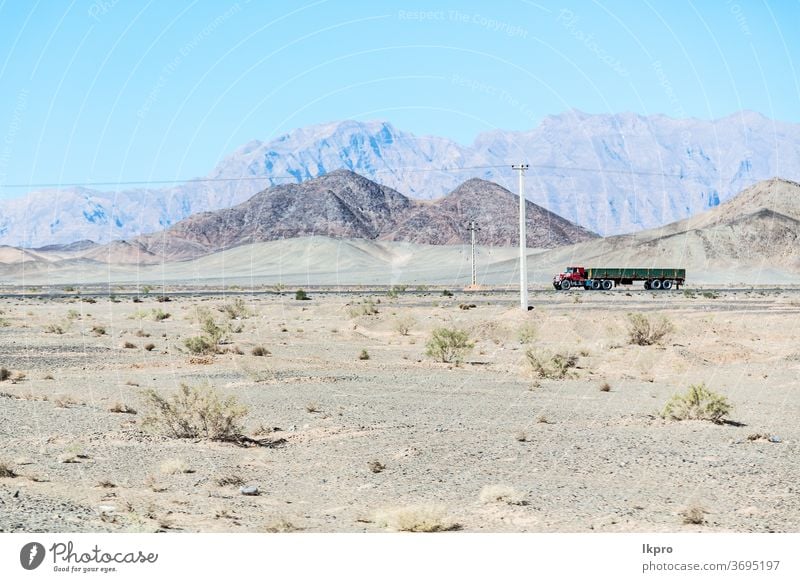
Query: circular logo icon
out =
(31, 555)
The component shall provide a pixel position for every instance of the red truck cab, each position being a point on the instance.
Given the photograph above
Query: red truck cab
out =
(575, 275)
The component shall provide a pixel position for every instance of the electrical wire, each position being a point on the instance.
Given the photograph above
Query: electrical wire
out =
(291, 177)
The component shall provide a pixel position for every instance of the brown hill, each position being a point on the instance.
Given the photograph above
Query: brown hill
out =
(753, 237)
(343, 204)
(496, 211)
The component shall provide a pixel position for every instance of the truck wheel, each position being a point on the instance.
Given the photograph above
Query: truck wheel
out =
(565, 285)
(655, 284)
(595, 284)
(666, 284)
(647, 285)
(607, 285)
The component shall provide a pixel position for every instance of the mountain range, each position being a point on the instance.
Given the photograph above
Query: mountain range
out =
(345, 205)
(750, 239)
(611, 174)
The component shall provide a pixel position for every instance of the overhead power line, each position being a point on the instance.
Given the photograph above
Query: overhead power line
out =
(291, 177)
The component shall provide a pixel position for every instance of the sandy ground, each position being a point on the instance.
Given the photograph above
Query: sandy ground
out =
(327, 261)
(573, 457)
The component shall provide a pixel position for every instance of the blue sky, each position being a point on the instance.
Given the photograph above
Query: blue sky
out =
(111, 90)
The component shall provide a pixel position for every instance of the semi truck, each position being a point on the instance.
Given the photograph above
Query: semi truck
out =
(595, 278)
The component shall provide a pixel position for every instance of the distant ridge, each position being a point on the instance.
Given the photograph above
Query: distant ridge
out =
(611, 174)
(751, 239)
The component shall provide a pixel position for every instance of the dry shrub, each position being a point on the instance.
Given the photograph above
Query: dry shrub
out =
(6, 471)
(18, 377)
(64, 400)
(605, 387)
(149, 347)
(448, 345)
(642, 331)
(364, 355)
(229, 481)
(128, 345)
(98, 330)
(194, 412)
(698, 403)
(501, 494)
(281, 525)
(121, 408)
(416, 518)
(5, 374)
(236, 309)
(260, 351)
(552, 366)
(175, 467)
(56, 328)
(403, 325)
(493, 331)
(365, 308)
(526, 333)
(694, 515)
(376, 466)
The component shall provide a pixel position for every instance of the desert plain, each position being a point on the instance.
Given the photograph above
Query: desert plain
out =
(356, 429)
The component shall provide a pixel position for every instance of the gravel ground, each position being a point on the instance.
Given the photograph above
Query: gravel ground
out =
(565, 455)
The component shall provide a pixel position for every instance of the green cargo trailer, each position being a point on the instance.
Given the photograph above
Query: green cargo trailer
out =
(607, 277)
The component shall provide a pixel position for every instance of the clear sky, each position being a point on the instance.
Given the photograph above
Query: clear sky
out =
(110, 90)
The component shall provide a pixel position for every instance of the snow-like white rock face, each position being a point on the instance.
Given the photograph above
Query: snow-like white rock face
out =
(581, 168)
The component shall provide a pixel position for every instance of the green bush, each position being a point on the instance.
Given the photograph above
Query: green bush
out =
(698, 403)
(200, 345)
(301, 295)
(448, 345)
(214, 332)
(194, 412)
(159, 315)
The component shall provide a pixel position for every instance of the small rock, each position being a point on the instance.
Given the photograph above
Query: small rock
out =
(249, 490)
(774, 439)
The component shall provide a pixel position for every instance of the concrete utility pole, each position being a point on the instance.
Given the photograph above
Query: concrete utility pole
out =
(472, 226)
(523, 239)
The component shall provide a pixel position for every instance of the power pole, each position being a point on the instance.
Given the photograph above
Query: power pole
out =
(523, 239)
(472, 226)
